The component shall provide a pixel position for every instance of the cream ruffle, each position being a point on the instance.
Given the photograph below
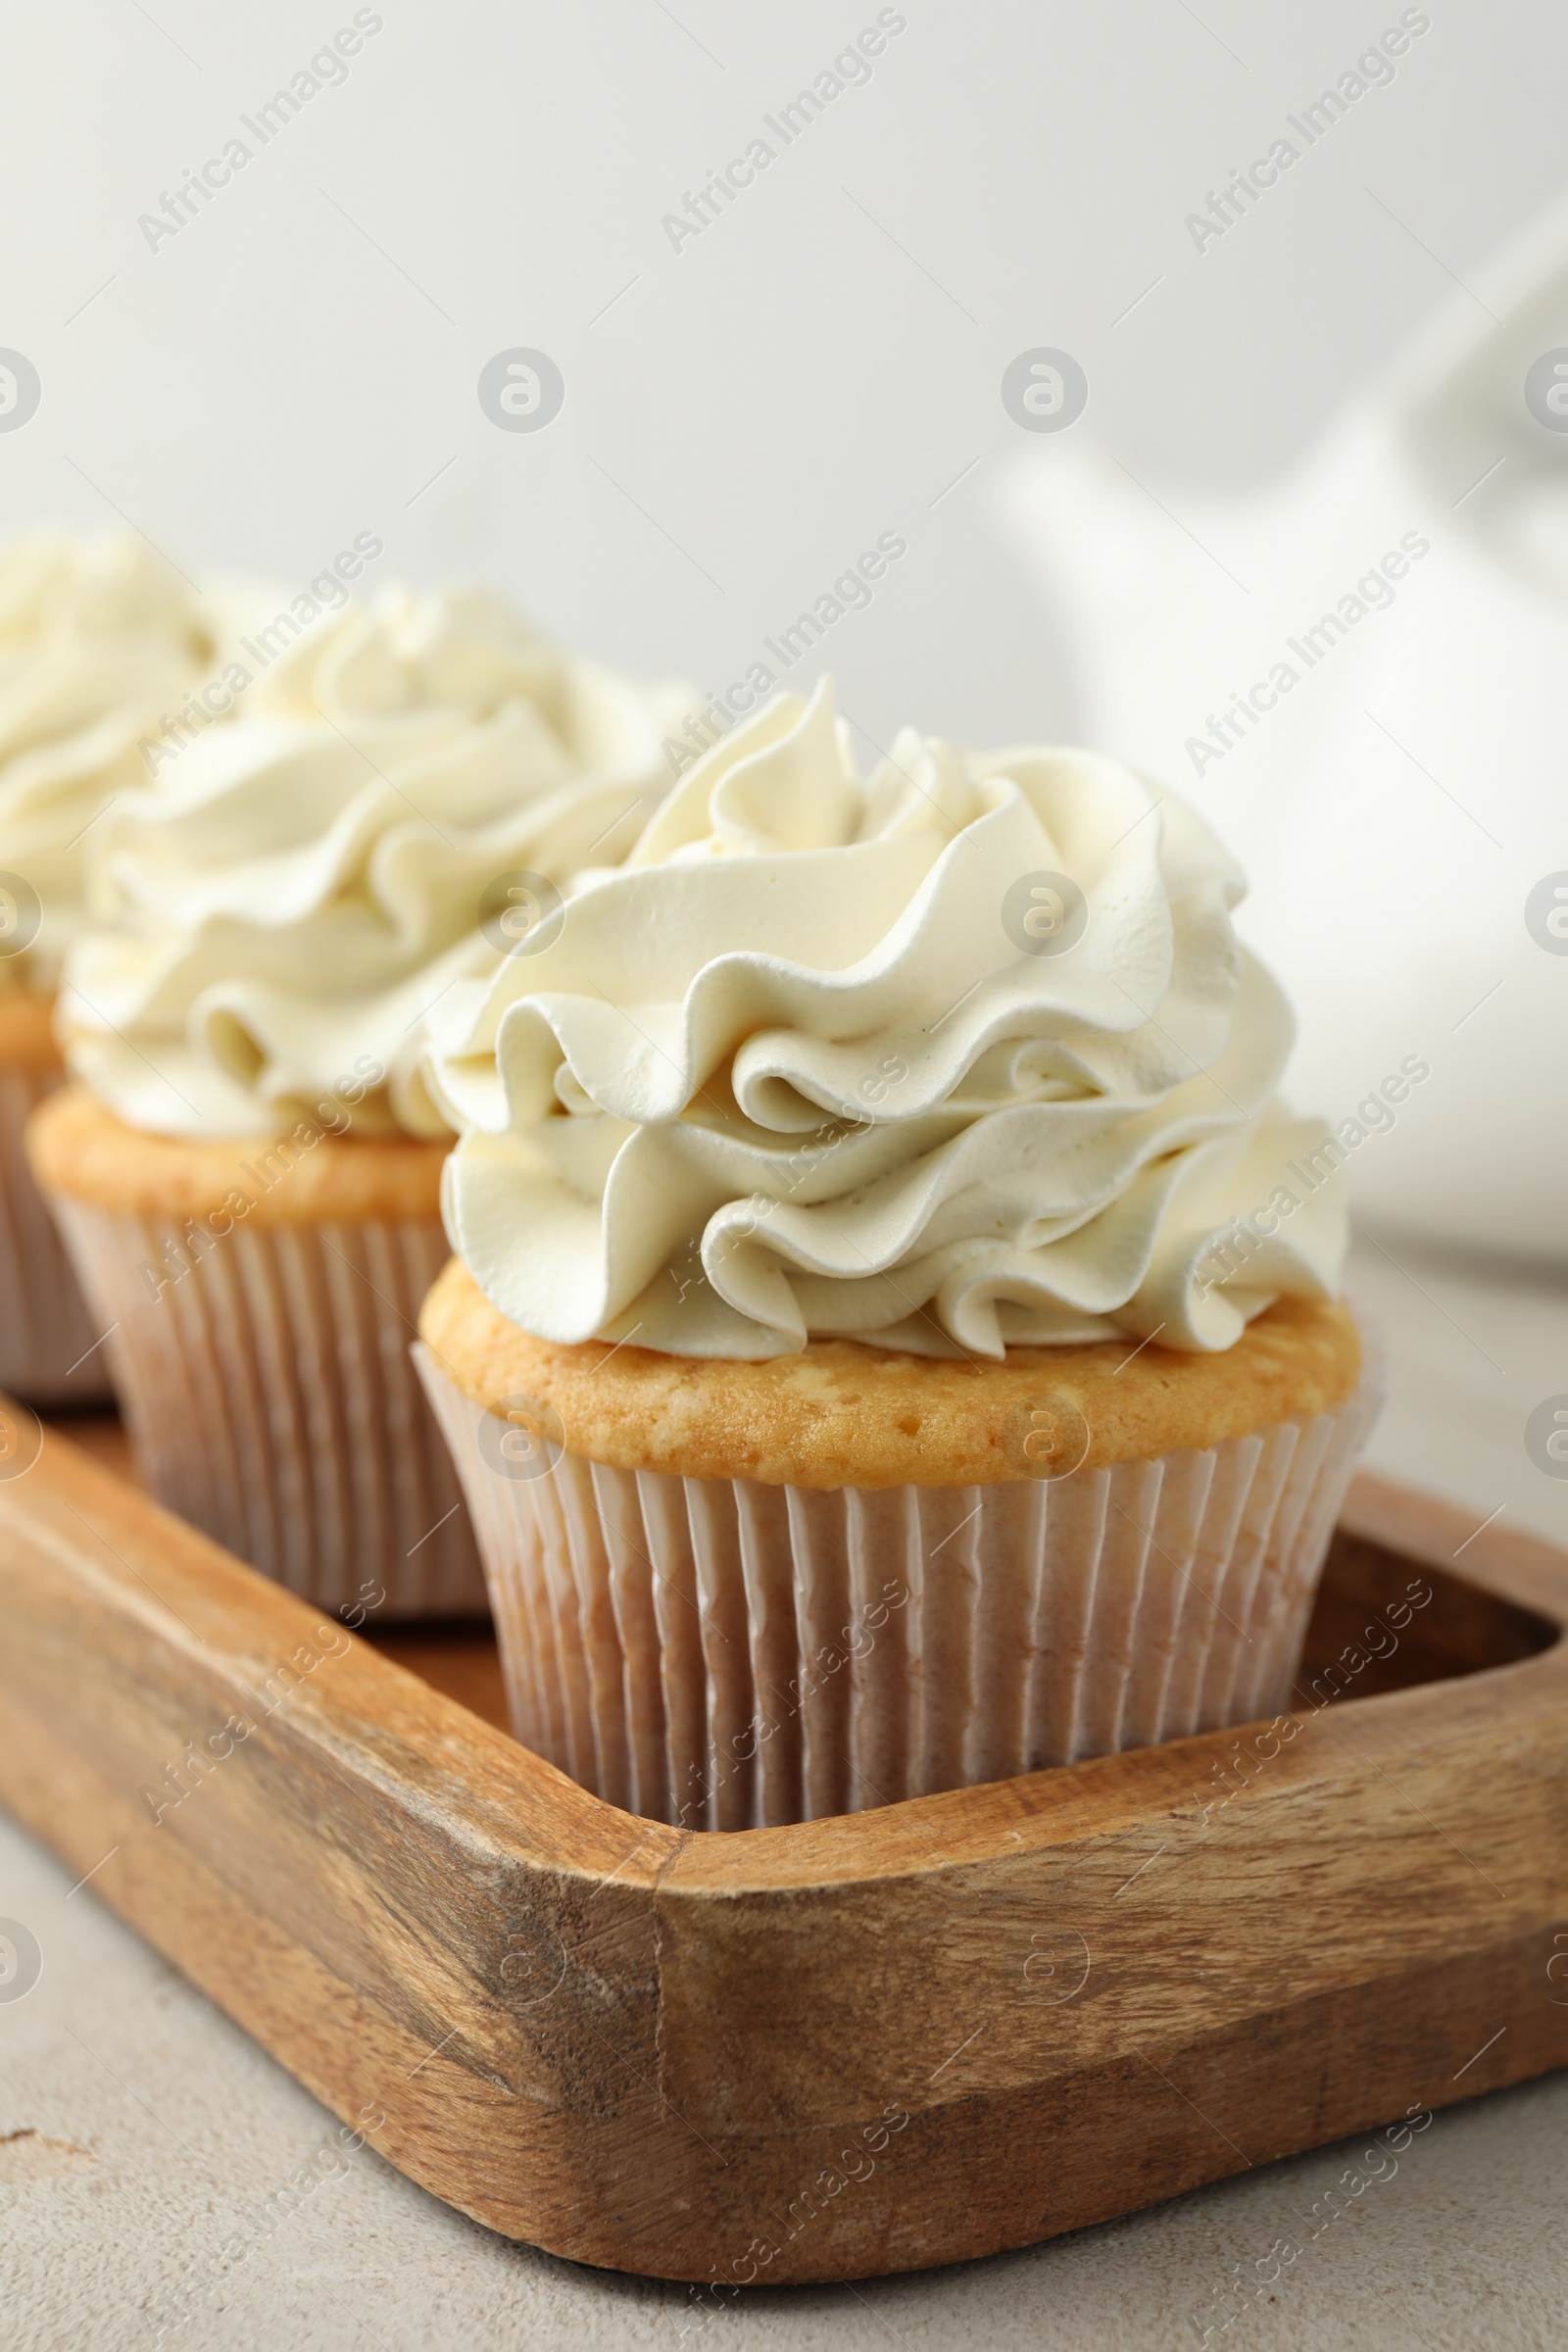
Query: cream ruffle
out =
(307, 878)
(796, 1069)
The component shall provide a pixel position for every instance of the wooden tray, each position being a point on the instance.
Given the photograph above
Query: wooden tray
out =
(868, 2045)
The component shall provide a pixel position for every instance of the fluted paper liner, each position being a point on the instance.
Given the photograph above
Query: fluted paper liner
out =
(725, 1654)
(46, 1329)
(270, 1400)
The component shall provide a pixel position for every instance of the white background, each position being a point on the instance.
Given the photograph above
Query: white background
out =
(758, 406)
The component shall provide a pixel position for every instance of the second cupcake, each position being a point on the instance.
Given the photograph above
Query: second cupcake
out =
(246, 1171)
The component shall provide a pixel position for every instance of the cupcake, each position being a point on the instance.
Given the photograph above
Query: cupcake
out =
(247, 1167)
(97, 637)
(894, 1340)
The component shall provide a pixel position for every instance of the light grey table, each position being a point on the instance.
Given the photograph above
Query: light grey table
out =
(141, 2134)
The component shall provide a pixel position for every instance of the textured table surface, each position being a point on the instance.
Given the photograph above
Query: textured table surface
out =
(147, 2147)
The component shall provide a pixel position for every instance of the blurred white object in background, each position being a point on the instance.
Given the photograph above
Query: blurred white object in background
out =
(1359, 672)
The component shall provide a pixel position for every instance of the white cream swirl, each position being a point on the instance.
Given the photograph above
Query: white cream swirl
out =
(275, 917)
(97, 637)
(799, 1068)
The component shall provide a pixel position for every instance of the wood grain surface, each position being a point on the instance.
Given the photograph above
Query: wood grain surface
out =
(860, 2046)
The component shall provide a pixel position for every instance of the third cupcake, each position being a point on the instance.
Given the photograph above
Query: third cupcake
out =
(97, 637)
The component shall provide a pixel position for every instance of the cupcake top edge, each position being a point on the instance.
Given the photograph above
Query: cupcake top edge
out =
(313, 1172)
(841, 1414)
